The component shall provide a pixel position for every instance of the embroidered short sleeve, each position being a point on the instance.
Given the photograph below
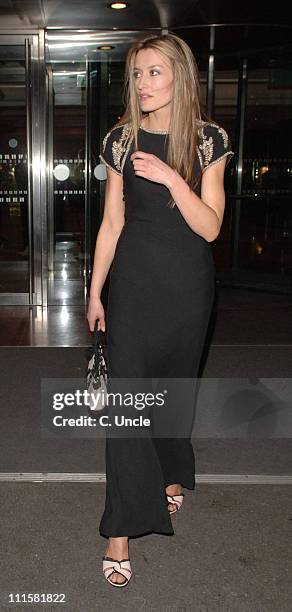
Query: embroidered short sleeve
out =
(115, 147)
(214, 144)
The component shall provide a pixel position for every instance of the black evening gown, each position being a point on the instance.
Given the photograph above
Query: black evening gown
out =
(160, 297)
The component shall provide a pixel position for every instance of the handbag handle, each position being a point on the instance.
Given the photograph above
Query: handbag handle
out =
(97, 334)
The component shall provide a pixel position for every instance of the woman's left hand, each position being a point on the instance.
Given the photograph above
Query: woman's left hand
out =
(151, 167)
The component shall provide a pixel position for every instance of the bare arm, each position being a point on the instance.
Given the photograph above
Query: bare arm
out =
(204, 215)
(106, 241)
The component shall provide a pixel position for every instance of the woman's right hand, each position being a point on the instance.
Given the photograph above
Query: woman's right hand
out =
(95, 311)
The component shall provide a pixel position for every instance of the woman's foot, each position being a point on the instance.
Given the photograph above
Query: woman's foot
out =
(174, 489)
(118, 549)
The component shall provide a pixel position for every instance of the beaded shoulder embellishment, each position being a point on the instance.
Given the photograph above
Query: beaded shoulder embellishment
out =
(224, 136)
(119, 146)
(207, 144)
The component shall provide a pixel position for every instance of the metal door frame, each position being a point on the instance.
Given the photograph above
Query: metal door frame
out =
(50, 165)
(34, 44)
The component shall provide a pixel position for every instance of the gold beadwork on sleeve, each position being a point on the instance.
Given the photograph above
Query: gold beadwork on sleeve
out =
(127, 148)
(200, 157)
(227, 154)
(119, 147)
(224, 136)
(206, 146)
(109, 166)
(105, 141)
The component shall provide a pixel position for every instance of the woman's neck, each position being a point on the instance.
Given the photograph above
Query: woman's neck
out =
(152, 126)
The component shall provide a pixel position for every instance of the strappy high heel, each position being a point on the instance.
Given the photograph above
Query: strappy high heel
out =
(176, 500)
(123, 567)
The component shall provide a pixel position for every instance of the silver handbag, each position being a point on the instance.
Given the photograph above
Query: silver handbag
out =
(97, 374)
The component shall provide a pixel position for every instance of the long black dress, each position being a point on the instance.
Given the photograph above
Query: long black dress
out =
(160, 297)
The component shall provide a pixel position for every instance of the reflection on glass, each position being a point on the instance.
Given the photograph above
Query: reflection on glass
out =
(100, 172)
(61, 172)
(69, 162)
(13, 142)
(69, 99)
(265, 231)
(13, 172)
(266, 221)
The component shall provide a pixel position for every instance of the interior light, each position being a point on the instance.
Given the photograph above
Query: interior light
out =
(63, 73)
(264, 169)
(258, 248)
(105, 47)
(69, 45)
(64, 275)
(118, 5)
(64, 314)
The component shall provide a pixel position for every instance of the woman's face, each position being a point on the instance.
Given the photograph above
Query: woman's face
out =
(152, 77)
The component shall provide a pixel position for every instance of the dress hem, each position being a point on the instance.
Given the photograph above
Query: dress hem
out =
(125, 533)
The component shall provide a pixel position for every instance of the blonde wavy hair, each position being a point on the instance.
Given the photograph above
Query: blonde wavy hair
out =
(185, 111)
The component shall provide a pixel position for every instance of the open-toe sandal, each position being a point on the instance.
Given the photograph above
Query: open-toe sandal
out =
(176, 500)
(123, 567)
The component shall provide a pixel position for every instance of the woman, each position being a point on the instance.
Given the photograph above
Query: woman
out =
(164, 206)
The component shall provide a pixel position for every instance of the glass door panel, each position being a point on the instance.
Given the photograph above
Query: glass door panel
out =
(14, 213)
(23, 224)
(67, 125)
